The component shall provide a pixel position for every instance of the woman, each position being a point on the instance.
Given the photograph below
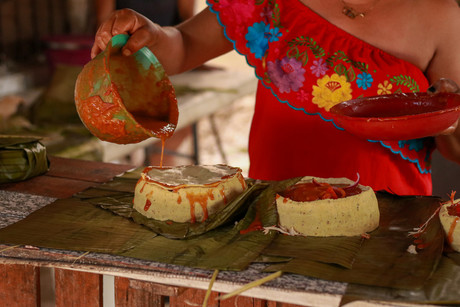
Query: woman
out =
(310, 55)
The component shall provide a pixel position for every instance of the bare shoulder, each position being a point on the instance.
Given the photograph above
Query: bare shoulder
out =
(443, 26)
(439, 10)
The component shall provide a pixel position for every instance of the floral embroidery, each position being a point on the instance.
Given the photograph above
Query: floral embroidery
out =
(406, 81)
(258, 37)
(319, 68)
(331, 91)
(287, 74)
(266, 13)
(274, 34)
(237, 10)
(257, 40)
(384, 88)
(364, 81)
(341, 74)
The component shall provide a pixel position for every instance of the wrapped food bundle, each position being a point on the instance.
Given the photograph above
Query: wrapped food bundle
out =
(21, 158)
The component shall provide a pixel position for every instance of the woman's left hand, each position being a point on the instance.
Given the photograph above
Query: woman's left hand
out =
(445, 86)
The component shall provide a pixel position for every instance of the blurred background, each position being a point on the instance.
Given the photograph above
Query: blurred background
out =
(45, 43)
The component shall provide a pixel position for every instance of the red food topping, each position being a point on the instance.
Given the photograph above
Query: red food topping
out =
(148, 203)
(453, 209)
(315, 190)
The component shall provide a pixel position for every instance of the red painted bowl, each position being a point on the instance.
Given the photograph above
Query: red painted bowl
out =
(126, 99)
(398, 116)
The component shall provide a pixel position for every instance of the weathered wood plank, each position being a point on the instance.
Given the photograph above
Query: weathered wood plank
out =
(75, 288)
(193, 297)
(243, 301)
(48, 186)
(19, 285)
(136, 293)
(85, 170)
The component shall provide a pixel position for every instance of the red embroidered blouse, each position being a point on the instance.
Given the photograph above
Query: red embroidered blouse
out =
(306, 65)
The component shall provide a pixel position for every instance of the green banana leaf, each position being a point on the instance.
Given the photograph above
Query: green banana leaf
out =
(77, 224)
(382, 260)
(442, 288)
(21, 158)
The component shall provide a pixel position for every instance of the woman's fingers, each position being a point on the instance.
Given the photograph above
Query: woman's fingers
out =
(124, 21)
(444, 85)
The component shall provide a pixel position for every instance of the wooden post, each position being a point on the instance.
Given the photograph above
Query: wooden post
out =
(75, 288)
(19, 285)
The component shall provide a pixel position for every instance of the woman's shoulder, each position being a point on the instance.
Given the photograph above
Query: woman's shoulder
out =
(437, 10)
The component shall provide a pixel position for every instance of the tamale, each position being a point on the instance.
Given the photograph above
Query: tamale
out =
(21, 157)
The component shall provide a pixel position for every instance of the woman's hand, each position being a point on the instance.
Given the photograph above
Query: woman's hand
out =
(142, 31)
(178, 49)
(448, 141)
(445, 86)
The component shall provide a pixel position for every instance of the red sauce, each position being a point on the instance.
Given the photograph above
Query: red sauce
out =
(148, 203)
(222, 193)
(254, 226)
(143, 186)
(163, 139)
(311, 191)
(99, 117)
(454, 209)
(243, 183)
(450, 235)
(202, 200)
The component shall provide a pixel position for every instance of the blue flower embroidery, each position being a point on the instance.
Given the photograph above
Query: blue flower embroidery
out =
(416, 144)
(258, 37)
(364, 80)
(274, 35)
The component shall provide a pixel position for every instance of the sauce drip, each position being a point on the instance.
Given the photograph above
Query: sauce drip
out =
(202, 200)
(450, 235)
(254, 226)
(148, 203)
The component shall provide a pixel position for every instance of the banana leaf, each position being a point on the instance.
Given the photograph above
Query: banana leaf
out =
(383, 260)
(334, 250)
(225, 248)
(442, 288)
(76, 224)
(117, 196)
(21, 158)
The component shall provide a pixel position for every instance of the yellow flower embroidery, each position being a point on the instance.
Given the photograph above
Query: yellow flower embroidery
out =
(331, 90)
(384, 88)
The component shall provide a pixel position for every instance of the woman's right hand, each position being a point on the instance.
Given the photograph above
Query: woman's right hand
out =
(142, 31)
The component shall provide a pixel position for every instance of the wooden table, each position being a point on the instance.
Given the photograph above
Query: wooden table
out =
(78, 276)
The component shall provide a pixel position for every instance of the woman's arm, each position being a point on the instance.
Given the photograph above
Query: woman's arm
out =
(178, 49)
(186, 8)
(446, 64)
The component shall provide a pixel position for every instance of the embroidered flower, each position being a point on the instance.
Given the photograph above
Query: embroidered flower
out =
(331, 90)
(384, 88)
(266, 13)
(416, 144)
(364, 80)
(274, 34)
(303, 95)
(238, 11)
(319, 68)
(257, 40)
(287, 74)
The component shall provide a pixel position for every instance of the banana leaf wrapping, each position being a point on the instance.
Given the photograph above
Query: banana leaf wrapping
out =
(375, 268)
(78, 224)
(382, 260)
(21, 158)
(117, 196)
